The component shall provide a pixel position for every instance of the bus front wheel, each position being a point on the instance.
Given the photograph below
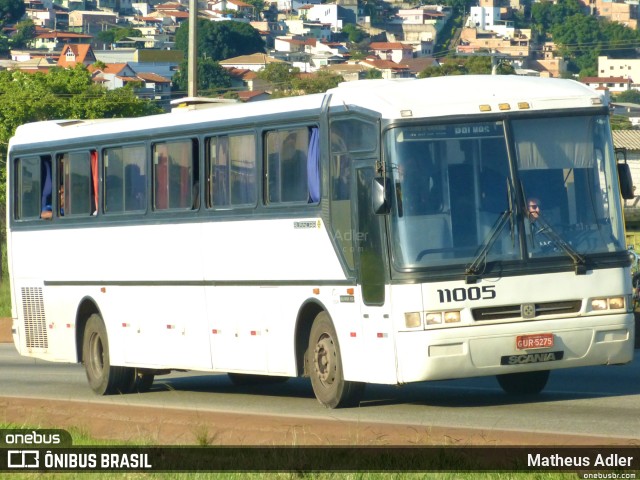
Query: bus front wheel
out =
(325, 364)
(525, 383)
(104, 379)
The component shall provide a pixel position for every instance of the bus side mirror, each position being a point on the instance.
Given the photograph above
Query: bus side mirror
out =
(381, 195)
(626, 182)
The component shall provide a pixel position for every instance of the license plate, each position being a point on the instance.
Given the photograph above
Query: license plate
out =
(540, 340)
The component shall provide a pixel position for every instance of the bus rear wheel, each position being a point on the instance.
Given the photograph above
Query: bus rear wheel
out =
(525, 383)
(104, 379)
(325, 365)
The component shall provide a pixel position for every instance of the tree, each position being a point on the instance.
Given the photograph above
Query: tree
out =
(355, 34)
(372, 73)
(221, 40)
(25, 33)
(630, 96)
(212, 78)
(280, 76)
(11, 11)
(620, 122)
(318, 83)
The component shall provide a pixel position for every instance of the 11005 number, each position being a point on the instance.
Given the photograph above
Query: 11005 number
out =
(469, 293)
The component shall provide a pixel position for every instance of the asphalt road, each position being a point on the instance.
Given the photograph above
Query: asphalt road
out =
(603, 401)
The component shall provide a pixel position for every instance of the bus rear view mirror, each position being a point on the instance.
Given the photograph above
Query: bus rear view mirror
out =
(626, 182)
(380, 195)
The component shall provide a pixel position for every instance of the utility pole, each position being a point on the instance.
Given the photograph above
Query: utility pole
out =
(192, 90)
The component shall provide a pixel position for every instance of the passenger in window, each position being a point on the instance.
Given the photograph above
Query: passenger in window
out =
(47, 212)
(47, 188)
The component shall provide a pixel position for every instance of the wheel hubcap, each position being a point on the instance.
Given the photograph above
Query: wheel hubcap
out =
(325, 360)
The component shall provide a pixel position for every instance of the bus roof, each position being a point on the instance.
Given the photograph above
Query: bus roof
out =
(391, 99)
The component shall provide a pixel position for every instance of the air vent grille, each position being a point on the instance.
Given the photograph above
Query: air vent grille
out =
(35, 323)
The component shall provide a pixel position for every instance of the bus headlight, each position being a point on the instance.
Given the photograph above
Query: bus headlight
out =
(608, 303)
(412, 319)
(438, 318)
(452, 317)
(433, 318)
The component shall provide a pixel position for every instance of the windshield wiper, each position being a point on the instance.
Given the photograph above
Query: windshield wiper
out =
(579, 261)
(473, 270)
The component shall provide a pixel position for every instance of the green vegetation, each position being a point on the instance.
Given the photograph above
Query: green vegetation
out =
(286, 81)
(466, 66)
(221, 40)
(582, 38)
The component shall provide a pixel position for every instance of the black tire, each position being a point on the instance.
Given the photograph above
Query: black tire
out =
(104, 379)
(526, 383)
(253, 379)
(325, 367)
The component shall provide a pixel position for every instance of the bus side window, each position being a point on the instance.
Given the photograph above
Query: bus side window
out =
(33, 187)
(286, 165)
(175, 175)
(76, 183)
(231, 171)
(124, 179)
(242, 156)
(218, 171)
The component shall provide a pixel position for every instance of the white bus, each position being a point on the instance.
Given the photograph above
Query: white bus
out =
(383, 232)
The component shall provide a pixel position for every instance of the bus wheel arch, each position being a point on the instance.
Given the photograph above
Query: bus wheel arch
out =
(307, 314)
(86, 308)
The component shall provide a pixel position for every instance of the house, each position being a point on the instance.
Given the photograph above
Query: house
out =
(349, 71)
(335, 15)
(388, 68)
(418, 64)
(517, 48)
(547, 63)
(254, 62)
(91, 22)
(73, 55)
(613, 84)
(393, 51)
(240, 8)
(155, 87)
(55, 40)
(620, 67)
(243, 79)
(320, 31)
(253, 96)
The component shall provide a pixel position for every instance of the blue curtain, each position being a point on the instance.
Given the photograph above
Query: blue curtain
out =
(47, 186)
(313, 166)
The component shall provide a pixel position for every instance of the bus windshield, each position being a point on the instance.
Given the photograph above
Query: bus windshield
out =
(456, 195)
